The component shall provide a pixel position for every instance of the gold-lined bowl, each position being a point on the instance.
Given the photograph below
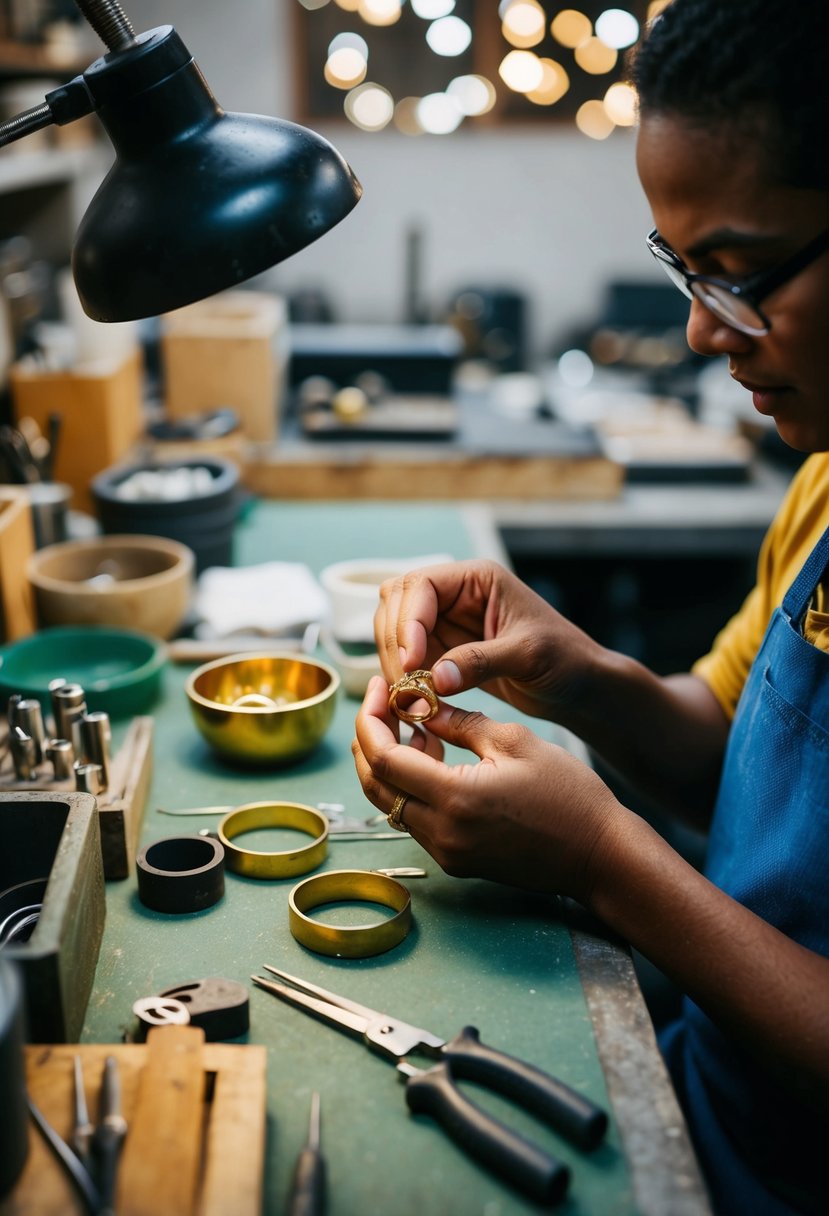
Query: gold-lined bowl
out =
(263, 708)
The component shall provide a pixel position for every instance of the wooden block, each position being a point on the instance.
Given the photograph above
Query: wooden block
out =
(224, 351)
(100, 411)
(162, 1153)
(17, 543)
(231, 1114)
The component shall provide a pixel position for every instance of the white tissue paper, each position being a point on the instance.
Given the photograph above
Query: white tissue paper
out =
(271, 599)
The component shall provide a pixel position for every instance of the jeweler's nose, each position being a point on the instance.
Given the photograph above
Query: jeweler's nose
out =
(708, 334)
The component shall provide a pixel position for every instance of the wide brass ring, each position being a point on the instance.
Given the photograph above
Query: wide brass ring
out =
(394, 815)
(351, 886)
(416, 685)
(287, 863)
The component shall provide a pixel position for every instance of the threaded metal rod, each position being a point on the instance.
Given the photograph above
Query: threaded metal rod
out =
(109, 21)
(25, 124)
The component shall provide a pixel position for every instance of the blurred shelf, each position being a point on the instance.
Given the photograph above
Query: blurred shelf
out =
(27, 59)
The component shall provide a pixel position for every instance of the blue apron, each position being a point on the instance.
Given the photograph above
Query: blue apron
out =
(762, 1152)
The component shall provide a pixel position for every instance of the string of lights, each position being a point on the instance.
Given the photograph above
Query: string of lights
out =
(581, 45)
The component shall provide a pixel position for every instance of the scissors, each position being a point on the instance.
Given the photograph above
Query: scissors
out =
(432, 1091)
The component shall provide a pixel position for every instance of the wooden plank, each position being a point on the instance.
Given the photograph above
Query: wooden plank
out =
(238, 1137)
(419, 474)
(162, 1153)
(121, 808)
(231, 1118)
(17, 542)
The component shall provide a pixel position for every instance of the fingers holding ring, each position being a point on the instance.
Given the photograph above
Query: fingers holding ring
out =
(394, 815)
(413, 687)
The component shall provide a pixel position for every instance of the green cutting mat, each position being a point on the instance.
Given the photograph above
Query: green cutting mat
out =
(478, 953)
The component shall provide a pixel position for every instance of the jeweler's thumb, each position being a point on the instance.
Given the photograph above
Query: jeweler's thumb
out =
(472, 666)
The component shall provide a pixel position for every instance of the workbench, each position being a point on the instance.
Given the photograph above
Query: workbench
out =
(537, 977)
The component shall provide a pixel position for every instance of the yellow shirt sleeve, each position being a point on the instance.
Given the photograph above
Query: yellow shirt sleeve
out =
(799, 523)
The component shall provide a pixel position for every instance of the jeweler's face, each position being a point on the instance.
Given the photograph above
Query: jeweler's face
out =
(716, 206)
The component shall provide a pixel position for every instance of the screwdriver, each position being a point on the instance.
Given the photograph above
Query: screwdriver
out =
(308, 1187)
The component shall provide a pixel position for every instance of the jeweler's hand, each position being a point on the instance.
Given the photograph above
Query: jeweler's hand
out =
(526, 813)
(478, 626)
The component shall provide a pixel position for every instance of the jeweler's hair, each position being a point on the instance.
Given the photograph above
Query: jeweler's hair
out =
(754, 69)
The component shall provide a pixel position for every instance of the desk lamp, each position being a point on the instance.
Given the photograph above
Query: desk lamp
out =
(198, 200)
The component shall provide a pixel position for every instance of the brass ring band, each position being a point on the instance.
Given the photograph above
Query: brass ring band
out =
(396, 811)
(286, 864)
(418, 686)
(352, 941)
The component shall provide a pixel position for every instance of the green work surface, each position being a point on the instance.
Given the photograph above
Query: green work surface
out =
(477, 954)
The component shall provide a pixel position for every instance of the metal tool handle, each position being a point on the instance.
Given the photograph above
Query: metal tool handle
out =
(308, 1187)
(569, 1112)
(502, 1150)
(109, 1136)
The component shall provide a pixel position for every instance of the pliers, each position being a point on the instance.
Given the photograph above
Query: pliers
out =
(432, 1091)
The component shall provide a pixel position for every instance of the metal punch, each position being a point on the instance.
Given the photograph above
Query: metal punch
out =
(432, 1091)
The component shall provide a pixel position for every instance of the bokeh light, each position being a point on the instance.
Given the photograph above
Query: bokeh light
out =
(523, 24)
(617, 28)
(620, 104)
(438, 114)
(379, 12)
(593, 119)
(405, 116)
(370, 107)
(595, 57)
(575, 367)
(448, 36)
(430, 10)
(571, 28)
(472, 95)
(347, 61)
(554, 84)
(521, 71)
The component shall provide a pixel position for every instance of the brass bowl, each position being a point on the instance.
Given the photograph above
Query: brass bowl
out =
(263, 708)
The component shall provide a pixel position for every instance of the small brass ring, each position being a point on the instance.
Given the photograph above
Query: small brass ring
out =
(353, 941)
(418, 685)
(286, 864)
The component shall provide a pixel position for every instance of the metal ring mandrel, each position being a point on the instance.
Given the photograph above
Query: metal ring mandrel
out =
(287, 863)
(349, 941)
(181, 873)
(413, 687)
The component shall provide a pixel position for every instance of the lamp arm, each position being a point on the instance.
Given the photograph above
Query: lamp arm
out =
(65, 104)
(109, 21)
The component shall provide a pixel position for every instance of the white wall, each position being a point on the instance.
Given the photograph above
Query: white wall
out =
(553, 213)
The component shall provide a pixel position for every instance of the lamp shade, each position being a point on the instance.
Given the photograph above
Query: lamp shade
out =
(198, 200)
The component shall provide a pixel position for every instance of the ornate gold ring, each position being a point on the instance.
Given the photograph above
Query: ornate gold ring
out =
(414, 686)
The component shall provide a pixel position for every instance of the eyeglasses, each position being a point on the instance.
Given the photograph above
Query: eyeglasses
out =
(736, 303)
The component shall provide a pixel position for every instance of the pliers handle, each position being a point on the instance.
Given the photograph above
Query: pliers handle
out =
(540, 1175)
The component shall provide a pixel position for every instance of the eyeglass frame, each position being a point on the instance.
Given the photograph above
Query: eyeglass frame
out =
(751, 288)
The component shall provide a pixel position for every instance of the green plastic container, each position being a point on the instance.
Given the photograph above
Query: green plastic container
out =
(119, 669)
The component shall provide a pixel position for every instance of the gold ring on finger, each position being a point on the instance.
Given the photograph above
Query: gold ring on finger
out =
(414, 686)
(396, 811)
